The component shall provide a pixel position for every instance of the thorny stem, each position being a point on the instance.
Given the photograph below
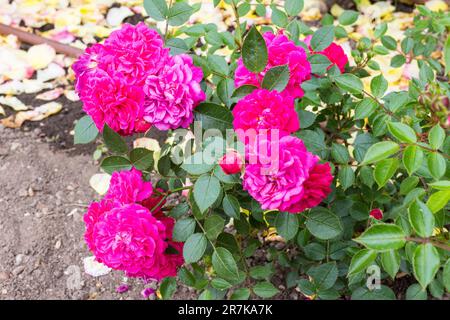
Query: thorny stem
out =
(238, 25)
(428, 240)
(167, 22)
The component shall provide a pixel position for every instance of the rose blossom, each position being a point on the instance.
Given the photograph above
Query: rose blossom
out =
(231, 162)
(285, 177)
(109, 99)
(128, 187)
(333, 52)
(137, 51)
(281, 51)
(129, 238)
(172, 94)
(376, 214)
(263, 109)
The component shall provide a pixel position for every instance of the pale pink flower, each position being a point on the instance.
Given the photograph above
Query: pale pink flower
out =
(173, 93)
(281, 51)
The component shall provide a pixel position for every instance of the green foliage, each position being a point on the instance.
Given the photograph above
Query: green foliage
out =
(388, 149)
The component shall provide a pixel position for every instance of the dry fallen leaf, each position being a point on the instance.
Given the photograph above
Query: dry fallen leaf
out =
(39, 113)
(13, 103)
(40, 56)
(50, 95)
(100, 182)
(95, 268)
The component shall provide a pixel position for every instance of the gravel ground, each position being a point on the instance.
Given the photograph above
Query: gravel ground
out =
(43, 195)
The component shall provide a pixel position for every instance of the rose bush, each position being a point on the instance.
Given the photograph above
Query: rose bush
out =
(278, 141)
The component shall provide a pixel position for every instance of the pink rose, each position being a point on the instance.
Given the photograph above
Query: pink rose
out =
(128, 187)
(231, 162)
(376, 214)
(281, 51)
(333, 52)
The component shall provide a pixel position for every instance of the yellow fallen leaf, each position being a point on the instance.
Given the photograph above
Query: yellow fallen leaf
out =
(100, 182)
(40, 56)
(39, 113)
(436, 5)
(13, 103)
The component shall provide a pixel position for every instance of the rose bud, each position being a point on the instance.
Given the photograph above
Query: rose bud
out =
(231, 162)
(376, 214)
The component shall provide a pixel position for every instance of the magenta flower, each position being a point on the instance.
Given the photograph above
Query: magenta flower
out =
(109, 99)
(376, 213)
(281, 51)
(333, 52)
(172, 94)
(128, 187)
(122, 288)
(280, 172)
(129, 238)
(231, 162)
(263, 109)
(95, 211)
(137, 52)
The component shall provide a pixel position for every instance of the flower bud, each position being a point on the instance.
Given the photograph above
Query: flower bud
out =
(376, 214)
(231, 162)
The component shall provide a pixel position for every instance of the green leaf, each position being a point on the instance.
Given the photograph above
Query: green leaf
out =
(286, 224)
(436, 165)
(262, 272)
(425, 263)
(390, 260)
(408, 184)
(349, 82)
(224, 264)
(415, 292)
(306, 118)
(383, 293)
(254, 51)
(346, 177)
(220, 284)
(176, 46)
(446, 275)
(265, 289)
(115, 163)
(378, 86)
(397, 61)
(85, 131)
(436, 137)
(323, 224)
(438, 200)
(365, 108)
(361, 260)
(384, 170)
(196, 164)
(240, 294)
(319, 63)
(213, 226)
(183, 229)
(114, 141)
(322, 38)
(194, 247)
(243, 91)
(213, 116)
(293, 7)
(279, 18)
(389, 42)
(231, 206)
(443, 185)
(340, 153)
(179, 13)
(224, 90)
(315, 251)
(382, 237)
(206, 191)
(324, 275)
(276, 78)
(412, 158)
(380, 151)
(141, 158)
(402, 132)
(421, 218)
(348, 17)
(157, 9)
(168, 287)
(380, 29)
